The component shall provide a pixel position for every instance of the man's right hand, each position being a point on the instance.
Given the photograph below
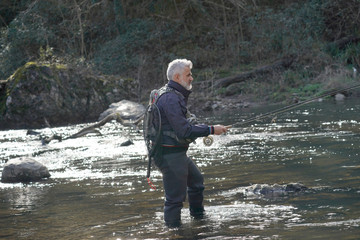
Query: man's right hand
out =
(220, 129)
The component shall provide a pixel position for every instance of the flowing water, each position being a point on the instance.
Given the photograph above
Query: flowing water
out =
(98, 189)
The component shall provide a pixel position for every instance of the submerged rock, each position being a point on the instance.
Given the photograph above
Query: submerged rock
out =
(23, 170)
(127, 143)
(274, 189)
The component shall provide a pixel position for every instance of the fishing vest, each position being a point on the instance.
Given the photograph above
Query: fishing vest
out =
(154, 97)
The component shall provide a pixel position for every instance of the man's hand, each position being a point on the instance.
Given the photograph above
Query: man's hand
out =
(220, 129)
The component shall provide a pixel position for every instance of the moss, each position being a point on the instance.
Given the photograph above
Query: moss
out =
(13, 80)
(31, 64)
(20, 74)
(59, 66)
(53, 66)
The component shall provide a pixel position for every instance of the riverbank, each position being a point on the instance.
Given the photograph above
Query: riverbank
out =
(199, 103)
(42, 95)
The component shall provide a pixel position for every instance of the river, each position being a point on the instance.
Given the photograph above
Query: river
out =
(98, 188)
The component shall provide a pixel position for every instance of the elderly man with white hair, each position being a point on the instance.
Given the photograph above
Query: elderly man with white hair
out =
(181, 176)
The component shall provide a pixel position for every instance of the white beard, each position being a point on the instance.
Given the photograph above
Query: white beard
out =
(186, 85)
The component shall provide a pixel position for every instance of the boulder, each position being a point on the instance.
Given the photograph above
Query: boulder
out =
(340, 97)
(23, 170)
(126, 109)
(38, 95)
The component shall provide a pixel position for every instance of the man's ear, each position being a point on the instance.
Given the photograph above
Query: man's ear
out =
(176, 77)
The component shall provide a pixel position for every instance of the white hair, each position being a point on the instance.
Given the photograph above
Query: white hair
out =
(177, 67)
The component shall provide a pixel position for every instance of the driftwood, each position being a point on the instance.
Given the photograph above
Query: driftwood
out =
(46, 140)
(92, 128)
(114, 116)
(278, 65)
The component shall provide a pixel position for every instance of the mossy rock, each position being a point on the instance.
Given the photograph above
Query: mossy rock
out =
(58, 94)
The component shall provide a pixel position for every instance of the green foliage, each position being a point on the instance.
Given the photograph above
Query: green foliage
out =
(46, 54)
(23, 37)
(10, 8)
(137, 39)
(309, 90)
(123, 51)
(340, 78)
(351, 55)
(341, 19)
(282, 31)
(136, 52)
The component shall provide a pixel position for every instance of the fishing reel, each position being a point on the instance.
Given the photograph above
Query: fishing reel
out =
(208, 141)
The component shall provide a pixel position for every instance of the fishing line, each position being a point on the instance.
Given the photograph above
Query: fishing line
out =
(209, 140)
(295, 105)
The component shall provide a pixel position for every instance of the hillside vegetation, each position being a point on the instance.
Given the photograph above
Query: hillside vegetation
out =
(137, 38)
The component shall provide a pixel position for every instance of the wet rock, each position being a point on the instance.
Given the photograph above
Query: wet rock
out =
(32, 132)
(295, 187)
(127, 143)
(339, 97)
(125, 108)
(274, 189)
(23, 170)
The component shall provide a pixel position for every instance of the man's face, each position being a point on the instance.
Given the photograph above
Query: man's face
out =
(185, 79)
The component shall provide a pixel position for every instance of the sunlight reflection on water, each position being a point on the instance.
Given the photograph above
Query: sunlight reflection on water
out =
(101, 186)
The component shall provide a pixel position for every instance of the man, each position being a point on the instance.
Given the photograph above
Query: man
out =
(180, 174)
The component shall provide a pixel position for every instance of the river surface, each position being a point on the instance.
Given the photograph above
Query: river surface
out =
(98, 189)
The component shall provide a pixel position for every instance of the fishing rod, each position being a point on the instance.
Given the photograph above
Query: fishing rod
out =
(295, 105)
(208, 141)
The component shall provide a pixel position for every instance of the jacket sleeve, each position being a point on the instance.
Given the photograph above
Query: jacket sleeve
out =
(175, 110)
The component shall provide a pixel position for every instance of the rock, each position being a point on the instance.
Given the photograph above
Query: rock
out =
(127, 143)
(215, 106)
(60, 95)
(207, 106)
(23, 170)
(295, 187)
(32, 132)
(126, 109)
(275, 189)
(234, 89)
(339, 97)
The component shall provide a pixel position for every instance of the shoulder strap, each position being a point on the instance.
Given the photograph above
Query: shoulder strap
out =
(162, 91)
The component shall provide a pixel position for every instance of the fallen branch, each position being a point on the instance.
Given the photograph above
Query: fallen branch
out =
(110, 117)
(92, 128)
(46, 140)
(278, 65)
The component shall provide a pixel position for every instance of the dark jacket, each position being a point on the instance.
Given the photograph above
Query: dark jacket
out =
(173, 110)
